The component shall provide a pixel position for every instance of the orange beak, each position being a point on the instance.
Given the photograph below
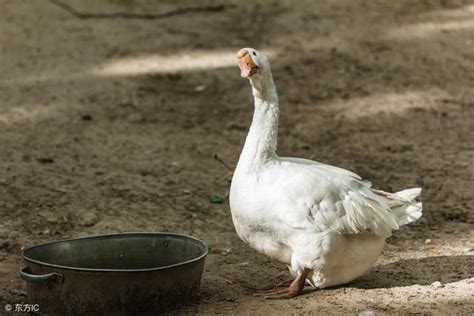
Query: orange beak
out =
(246, 64)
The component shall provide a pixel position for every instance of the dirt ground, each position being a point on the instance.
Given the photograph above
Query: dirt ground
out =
(111, 123)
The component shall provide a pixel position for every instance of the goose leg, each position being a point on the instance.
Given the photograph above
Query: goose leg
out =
(293, 290)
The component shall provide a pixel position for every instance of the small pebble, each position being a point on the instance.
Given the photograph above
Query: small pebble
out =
(215, 199)
(45, 160)
(226, 251)
(50, 217)
(199, 88)
(88, 219)
(86, 117)
(437, 285)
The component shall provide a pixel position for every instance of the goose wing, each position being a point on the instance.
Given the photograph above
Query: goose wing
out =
(320, 197)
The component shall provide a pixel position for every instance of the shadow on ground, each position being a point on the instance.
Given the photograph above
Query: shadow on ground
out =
(422, 271)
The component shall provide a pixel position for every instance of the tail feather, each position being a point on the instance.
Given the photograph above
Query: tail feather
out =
(408, 213)
(409, 194)
(404, 205)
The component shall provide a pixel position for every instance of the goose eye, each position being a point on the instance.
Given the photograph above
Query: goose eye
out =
(254, 53)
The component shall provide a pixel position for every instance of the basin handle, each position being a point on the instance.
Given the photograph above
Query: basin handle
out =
(40, 278)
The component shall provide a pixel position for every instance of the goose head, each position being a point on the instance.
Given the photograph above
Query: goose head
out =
(254, 66)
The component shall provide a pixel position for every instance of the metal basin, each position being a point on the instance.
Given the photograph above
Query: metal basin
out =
(120, 274)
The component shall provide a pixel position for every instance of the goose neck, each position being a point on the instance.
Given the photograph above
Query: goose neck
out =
(261, 143)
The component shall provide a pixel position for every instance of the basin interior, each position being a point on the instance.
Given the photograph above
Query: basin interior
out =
(119, 252)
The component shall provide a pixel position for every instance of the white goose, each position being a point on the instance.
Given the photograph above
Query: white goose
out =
(325, 223)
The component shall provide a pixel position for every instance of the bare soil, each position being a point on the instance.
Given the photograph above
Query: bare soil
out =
(111, 123)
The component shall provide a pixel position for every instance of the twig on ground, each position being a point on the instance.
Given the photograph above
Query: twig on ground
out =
(141, 16)
(216, 157)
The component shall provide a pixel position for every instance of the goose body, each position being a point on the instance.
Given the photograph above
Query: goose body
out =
(325, 223)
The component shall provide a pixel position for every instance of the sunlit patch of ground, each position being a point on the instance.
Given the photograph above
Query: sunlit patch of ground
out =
(179, 62)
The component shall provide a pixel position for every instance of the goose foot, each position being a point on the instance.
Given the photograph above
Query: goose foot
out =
(293, 290)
